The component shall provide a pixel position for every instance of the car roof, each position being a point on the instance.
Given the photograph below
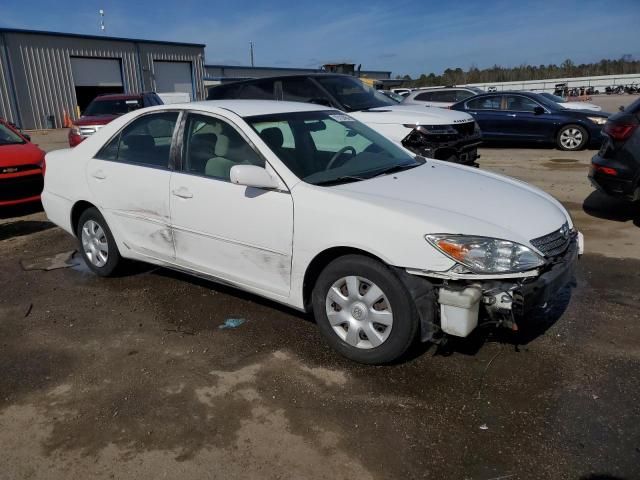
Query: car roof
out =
(118, 96)
(249, 108)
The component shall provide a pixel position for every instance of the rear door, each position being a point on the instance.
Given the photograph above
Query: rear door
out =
(487, 112)
(129, 178)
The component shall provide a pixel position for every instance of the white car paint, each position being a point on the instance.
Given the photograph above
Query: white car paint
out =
(397, 121)
(581, 106)
(263, 241)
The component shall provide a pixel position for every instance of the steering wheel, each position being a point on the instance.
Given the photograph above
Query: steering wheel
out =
(338, 154)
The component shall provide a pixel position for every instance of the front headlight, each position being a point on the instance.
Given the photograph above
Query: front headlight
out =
(598, 120)
(486, 255)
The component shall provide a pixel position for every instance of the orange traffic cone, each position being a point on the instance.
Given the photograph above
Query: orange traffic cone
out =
(66, 120)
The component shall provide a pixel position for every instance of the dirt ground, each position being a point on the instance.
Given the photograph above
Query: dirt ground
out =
(132, 377)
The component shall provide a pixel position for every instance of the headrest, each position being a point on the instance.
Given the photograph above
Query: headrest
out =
(272, 137)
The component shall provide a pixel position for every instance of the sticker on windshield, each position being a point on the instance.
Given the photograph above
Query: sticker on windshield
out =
(342, 118)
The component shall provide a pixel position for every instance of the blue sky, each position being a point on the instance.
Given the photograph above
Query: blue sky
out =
(406, 37)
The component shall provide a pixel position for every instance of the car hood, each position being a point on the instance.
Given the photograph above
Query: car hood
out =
(97, 120)
(440, 197)
(20, 154)
(581, 106)
(411, 115)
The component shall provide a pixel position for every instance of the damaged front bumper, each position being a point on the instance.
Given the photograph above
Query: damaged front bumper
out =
(505, 298)
(456, 143)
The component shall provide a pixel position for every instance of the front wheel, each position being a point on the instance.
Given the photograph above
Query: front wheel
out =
(364, 311)
(572, 138)
(97, 245)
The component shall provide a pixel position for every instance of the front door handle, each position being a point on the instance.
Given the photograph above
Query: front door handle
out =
(511, 114)
(99, 174)
(182, 193)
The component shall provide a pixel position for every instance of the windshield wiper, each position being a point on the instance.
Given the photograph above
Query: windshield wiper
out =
(339, 180)
(395, 169)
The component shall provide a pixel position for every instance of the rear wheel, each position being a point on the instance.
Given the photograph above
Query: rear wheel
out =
(364, 311)
(96, 243)
(572, 137)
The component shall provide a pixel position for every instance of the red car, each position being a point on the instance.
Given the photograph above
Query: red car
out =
(21, 167)
(104, 109)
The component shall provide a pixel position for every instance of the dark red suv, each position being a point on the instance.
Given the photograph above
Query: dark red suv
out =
(615, 170)
(105, 108)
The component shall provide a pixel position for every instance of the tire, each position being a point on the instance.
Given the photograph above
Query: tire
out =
(352, 329)
(96, 243)
(572, 138)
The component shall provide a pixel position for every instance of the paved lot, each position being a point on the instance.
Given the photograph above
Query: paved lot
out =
(132, 378)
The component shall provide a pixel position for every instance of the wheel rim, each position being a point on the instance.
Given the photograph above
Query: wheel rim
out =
(571, 138)
(95, 243)
(359, 312)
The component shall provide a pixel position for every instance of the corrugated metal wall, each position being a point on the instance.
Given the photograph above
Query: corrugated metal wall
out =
(44, 82)
(7, 100)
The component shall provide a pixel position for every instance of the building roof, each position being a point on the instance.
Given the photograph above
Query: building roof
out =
(97, 37)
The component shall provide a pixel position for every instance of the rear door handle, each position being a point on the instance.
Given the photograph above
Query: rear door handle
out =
(182, 193)
(511, 114)
(99, 174)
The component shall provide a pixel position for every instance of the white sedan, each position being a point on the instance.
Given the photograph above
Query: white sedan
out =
(308, 207)
(575, 105)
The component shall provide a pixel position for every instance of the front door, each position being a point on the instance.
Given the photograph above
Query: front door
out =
(524, 123)
(129, 178)
(240, 234)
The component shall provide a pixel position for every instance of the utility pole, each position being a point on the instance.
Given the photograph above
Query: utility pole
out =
(251, 52)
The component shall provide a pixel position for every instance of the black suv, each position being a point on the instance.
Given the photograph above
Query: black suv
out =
(615, 170)
(434, 133)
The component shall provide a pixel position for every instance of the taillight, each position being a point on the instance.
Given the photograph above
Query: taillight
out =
(605, 170)
(619, 131)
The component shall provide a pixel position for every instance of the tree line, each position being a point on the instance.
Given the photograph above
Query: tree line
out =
(457, 76)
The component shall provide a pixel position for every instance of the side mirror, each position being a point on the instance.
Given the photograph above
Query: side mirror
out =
(26, 135)
(538, 110)
(252, 176)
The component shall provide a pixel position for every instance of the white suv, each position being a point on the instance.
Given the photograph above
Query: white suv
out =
(440, 97)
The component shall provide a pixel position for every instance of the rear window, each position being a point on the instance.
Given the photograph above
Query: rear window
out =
(634, 107)
(112, 107)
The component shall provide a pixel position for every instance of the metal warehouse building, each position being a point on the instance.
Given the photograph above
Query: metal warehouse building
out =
(44, 74)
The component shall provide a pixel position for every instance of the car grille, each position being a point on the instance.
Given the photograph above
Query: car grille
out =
(465, 129)
(18, 188)
(554, 243)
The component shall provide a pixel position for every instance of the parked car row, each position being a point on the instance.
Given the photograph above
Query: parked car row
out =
(377, 246)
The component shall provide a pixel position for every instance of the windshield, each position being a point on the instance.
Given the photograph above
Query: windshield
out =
(8, 136)
(553, 98)
(353, 94)
(112, 107)
(392, 95)
(329, 147)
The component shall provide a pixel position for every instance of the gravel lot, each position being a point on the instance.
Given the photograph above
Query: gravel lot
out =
(132, 378)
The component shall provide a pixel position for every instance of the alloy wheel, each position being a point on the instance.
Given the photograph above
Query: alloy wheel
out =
(571, 138)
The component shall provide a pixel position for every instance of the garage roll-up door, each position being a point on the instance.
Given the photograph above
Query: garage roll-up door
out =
(173, 77)
(96, 72)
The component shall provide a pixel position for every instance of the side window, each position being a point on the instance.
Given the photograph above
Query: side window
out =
(145, 141)
(259, 90)
(463, 95)
(212, 147)
(518, 103)
(424, 97)
(484, 103)
(302, 90)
